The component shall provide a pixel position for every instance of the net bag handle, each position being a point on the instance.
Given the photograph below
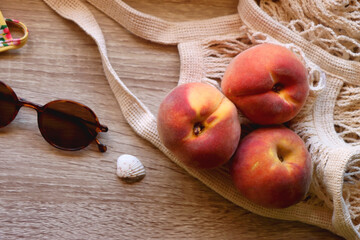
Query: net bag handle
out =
(165, 32)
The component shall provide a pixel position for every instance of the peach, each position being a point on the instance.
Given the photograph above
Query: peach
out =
(272, 167)
(199, 125)
(267, 82)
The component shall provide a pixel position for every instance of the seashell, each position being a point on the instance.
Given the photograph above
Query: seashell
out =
(130, 169)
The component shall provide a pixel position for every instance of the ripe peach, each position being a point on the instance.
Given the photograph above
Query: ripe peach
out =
(199, 125)
(272, 167)
(267, 82)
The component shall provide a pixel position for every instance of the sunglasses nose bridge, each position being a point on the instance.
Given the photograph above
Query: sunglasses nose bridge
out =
(32, 105)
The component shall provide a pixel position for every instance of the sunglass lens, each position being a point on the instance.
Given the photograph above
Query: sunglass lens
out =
(68, 125)
(8, 105)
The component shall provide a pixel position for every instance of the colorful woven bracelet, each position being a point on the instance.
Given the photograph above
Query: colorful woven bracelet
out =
(7, 42)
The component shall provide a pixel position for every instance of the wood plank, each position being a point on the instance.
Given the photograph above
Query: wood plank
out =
(52, 194)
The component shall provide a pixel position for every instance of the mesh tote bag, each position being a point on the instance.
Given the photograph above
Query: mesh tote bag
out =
(329, 123)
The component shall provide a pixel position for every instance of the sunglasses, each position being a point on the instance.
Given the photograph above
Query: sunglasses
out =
(64, 124)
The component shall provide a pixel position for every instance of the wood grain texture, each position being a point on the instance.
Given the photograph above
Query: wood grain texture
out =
(47, 193)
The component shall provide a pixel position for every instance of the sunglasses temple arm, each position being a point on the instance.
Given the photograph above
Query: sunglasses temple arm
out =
(102, 128)
(102, 147)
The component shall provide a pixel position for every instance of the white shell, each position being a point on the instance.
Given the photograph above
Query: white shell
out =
(130, 169)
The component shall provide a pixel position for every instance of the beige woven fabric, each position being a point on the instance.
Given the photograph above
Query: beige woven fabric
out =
(329, 122)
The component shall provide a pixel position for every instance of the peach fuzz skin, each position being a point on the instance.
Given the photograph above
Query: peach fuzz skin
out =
(268, 84)
(272, 167)
(199, 125)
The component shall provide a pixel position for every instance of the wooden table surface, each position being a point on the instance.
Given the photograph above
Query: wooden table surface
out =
(46, 193)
